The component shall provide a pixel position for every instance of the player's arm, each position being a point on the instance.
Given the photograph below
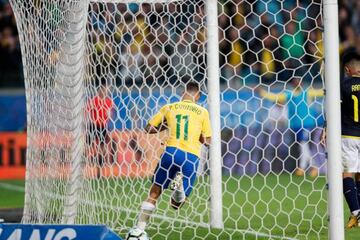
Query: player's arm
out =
(323, 134)
(205, 137)
(158, 122)
(275, 97)
(151, 129)
(205, 140)
(316, 93)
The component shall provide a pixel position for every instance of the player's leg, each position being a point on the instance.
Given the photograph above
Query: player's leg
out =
(103, 140)
(350, 164)
(302, 138)
(350, 193)
(99, 148)
(357, 174)
(177, 185)
(178, 195)
(188, 177)
(357, 183)
(320, 154)
(106, 147)
(133, 143)
(161, 179)
(304, 157)
(315, 149)
(146, 210)
(148, 206)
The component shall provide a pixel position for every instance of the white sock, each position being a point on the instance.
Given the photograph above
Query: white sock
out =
(178, 195)
(146, 210)
(305, 155)
(356, 212)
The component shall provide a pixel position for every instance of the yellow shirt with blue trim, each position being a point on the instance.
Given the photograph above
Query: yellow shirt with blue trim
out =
(186, 122)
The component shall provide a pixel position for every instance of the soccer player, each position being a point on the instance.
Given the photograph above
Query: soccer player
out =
(350, 130)
(189, 127)
(302, 123)
(99, 109)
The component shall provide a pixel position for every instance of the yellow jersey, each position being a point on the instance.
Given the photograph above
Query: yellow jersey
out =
(186, 122)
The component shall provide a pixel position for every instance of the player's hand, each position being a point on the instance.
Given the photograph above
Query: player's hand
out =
(205, 140)
(202, 139)
(323, 137)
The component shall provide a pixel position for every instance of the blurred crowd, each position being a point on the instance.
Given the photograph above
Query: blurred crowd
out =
(261, 41)
(264, 41)
(151, 43)
(270, 40)
(349, 20)
(10, 55)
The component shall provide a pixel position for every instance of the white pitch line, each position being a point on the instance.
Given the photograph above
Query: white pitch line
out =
(13, 187)
(204, 225)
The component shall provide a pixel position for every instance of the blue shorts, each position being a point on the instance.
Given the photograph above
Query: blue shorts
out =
(303, 135)
(175, 160)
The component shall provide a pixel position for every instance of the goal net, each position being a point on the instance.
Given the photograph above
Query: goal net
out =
(97, 71)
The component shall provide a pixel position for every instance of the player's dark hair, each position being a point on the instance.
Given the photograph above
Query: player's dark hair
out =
(350, 57)
(192, 87)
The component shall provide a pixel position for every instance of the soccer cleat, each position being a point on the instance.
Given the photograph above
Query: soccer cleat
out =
(314, 172)
(136, 234)
(177, 181)
(353, 221)
(299, 172)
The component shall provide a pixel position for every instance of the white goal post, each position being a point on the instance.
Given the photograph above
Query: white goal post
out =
(97, 70)
(332, 78)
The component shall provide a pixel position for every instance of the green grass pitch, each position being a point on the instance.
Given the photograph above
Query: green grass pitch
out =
(269, 208)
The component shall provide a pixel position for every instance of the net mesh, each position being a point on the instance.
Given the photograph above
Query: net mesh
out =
(97, 71)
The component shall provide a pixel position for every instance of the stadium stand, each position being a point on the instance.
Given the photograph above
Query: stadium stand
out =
(238, 58)
(238, 53)
(10, 61)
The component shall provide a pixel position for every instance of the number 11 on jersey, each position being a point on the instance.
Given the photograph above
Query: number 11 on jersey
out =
(356, 108)
(179, 118)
